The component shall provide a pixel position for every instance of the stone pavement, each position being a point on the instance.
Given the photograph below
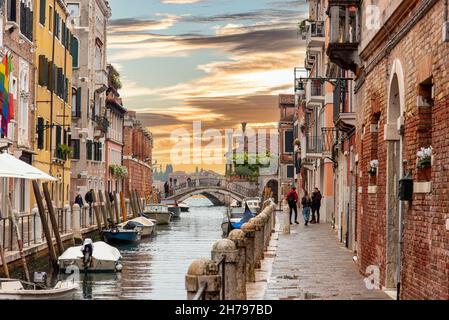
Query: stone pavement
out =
(311, 264)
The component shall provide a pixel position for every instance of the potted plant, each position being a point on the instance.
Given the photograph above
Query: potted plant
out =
(372, 171)
(297, 142)
(64, 152)
(424, 164)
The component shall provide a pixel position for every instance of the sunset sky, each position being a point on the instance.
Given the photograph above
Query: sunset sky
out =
(219, 61)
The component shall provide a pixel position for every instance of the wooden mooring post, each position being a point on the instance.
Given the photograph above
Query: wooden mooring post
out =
(123, 205)
(98, 213)
(109, 207)
(138, 203)
(103, 209)
(4, 263)
(116, 210)
(40, 206)
(54, 223)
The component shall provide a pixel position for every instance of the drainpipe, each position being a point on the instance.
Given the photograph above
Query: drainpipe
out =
(399, 255)
(446, 10)
(52, 89)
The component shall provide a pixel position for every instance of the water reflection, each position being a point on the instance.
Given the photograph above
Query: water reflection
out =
(155, 269)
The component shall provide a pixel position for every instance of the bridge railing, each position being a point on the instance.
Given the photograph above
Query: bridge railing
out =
(214, 182)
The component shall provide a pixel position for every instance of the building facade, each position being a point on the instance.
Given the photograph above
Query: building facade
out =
(17, 89)
(53, 58)
(286, 171)
(90, 124)
(397, 53)
(115, 113)
(137, 156)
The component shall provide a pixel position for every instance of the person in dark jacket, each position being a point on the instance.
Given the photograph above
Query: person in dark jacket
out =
(166, 189)
(292, 199)
(316, 205)
(79, 200)
(306, 204)
(89, 197)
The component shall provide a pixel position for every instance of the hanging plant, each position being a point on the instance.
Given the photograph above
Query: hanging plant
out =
(374, 164)
(64, 152)
(424, 158)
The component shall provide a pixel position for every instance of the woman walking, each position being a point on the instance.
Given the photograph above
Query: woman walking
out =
(306, 204)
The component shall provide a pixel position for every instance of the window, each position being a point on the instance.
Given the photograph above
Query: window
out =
(74, 50)
(11, 13)
(23, 105)
(89, 149)
(42, 10)
(98, 56)
(26, 19)
(76, 102)
(50, 19)
(76, 149)
(56, 25)
(74, 10)
(47, 136)
(288, 141)
(43, 71)
(290, 171)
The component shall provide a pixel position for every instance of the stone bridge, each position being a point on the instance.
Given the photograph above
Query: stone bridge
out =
(215, 186)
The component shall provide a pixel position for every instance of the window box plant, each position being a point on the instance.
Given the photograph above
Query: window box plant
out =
(424, 164)
(372, 171)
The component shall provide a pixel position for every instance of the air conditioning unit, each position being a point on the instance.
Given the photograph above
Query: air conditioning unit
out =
(82, 175)
(83, 134)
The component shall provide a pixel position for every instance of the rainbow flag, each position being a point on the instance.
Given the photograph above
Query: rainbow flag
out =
(6, 99)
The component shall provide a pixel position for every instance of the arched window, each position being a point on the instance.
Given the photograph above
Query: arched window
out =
(74, 48)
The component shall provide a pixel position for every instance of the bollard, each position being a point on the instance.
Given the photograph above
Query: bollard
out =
(266, 229)
(273, 226)
(238, 237)
(225, 251)
(68, 217)
(76, 213)
(250, 229)
(286, 214)
(258, 241)
(200, 273)
(38, 238)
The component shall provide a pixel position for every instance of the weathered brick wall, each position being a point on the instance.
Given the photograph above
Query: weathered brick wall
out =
(425, 258)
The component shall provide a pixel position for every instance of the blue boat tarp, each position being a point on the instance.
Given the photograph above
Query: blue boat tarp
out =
(247, 215)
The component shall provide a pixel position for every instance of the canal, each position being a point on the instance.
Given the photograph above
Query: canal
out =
(155, 268)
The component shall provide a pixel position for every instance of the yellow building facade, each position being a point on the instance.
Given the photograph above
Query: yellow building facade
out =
(53, 59)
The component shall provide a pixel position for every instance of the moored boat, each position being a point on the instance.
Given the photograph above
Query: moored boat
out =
(159, 213)
(144, 225)
(173, 207)
(184, 207)
(91, 257)
(236, 217)
(13, 289)
(121, 235)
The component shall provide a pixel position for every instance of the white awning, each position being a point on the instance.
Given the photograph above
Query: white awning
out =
(11, 167)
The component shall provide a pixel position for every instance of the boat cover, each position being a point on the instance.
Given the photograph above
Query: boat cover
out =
(102, 251)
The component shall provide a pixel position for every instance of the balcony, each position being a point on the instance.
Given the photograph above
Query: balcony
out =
(315, 34)
(344, 114)
(101, 80)
(314, 92)
(101, 128)
(344, 34)
(314, 147)
(329, 138)
(309, 61)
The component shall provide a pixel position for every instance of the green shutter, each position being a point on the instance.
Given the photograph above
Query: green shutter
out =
(89, 149)
(42, 11)
(42, 69)
(78, 102)
(74, 49)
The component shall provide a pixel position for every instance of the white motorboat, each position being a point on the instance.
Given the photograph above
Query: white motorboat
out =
(159, 213)
(253, 203)
(13, 289)
(184, 207)
(145, 225)
(91, 257)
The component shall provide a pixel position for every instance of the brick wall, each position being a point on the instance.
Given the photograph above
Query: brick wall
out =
(425, 259)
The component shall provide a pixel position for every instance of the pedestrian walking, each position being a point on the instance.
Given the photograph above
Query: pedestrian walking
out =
(306, 204)
(316, 205)
(166, 189)
(89, 197)
(292, 200)
(79, 200)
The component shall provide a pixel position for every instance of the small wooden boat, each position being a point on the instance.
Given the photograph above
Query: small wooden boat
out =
(91, 257)
(144, 225)
(253, 203)
(159, 213)
(121, 235)
(13, 289)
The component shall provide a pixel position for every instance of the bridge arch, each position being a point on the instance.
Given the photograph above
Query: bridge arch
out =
(207, 190)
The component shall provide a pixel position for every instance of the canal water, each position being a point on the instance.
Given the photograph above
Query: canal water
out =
(155, 268)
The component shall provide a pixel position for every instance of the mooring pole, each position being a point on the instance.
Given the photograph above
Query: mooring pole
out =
(131, 201)
(97, 212)
(117, 214)
(123, 206)
(54, 223)
(139, 207)
(103, 209)
(109, 207)
(40, 206)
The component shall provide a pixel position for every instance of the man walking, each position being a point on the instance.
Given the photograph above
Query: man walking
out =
(316, 205)
(89, 197)
(292, 199)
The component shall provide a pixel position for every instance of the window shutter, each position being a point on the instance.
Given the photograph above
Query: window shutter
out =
(76, 149)
(58, 135)
(42, 69)
(42, 11)
(40, 133)
(89, 149)
(45, 72)
(78, 102)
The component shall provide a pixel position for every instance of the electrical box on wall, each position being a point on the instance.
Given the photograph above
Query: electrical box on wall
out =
(446, 31)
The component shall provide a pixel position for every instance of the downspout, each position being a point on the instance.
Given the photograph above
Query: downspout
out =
(446, 10)
(63, 119)
(52, 89)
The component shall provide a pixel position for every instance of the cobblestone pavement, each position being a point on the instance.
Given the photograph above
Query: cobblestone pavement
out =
(311, 264)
